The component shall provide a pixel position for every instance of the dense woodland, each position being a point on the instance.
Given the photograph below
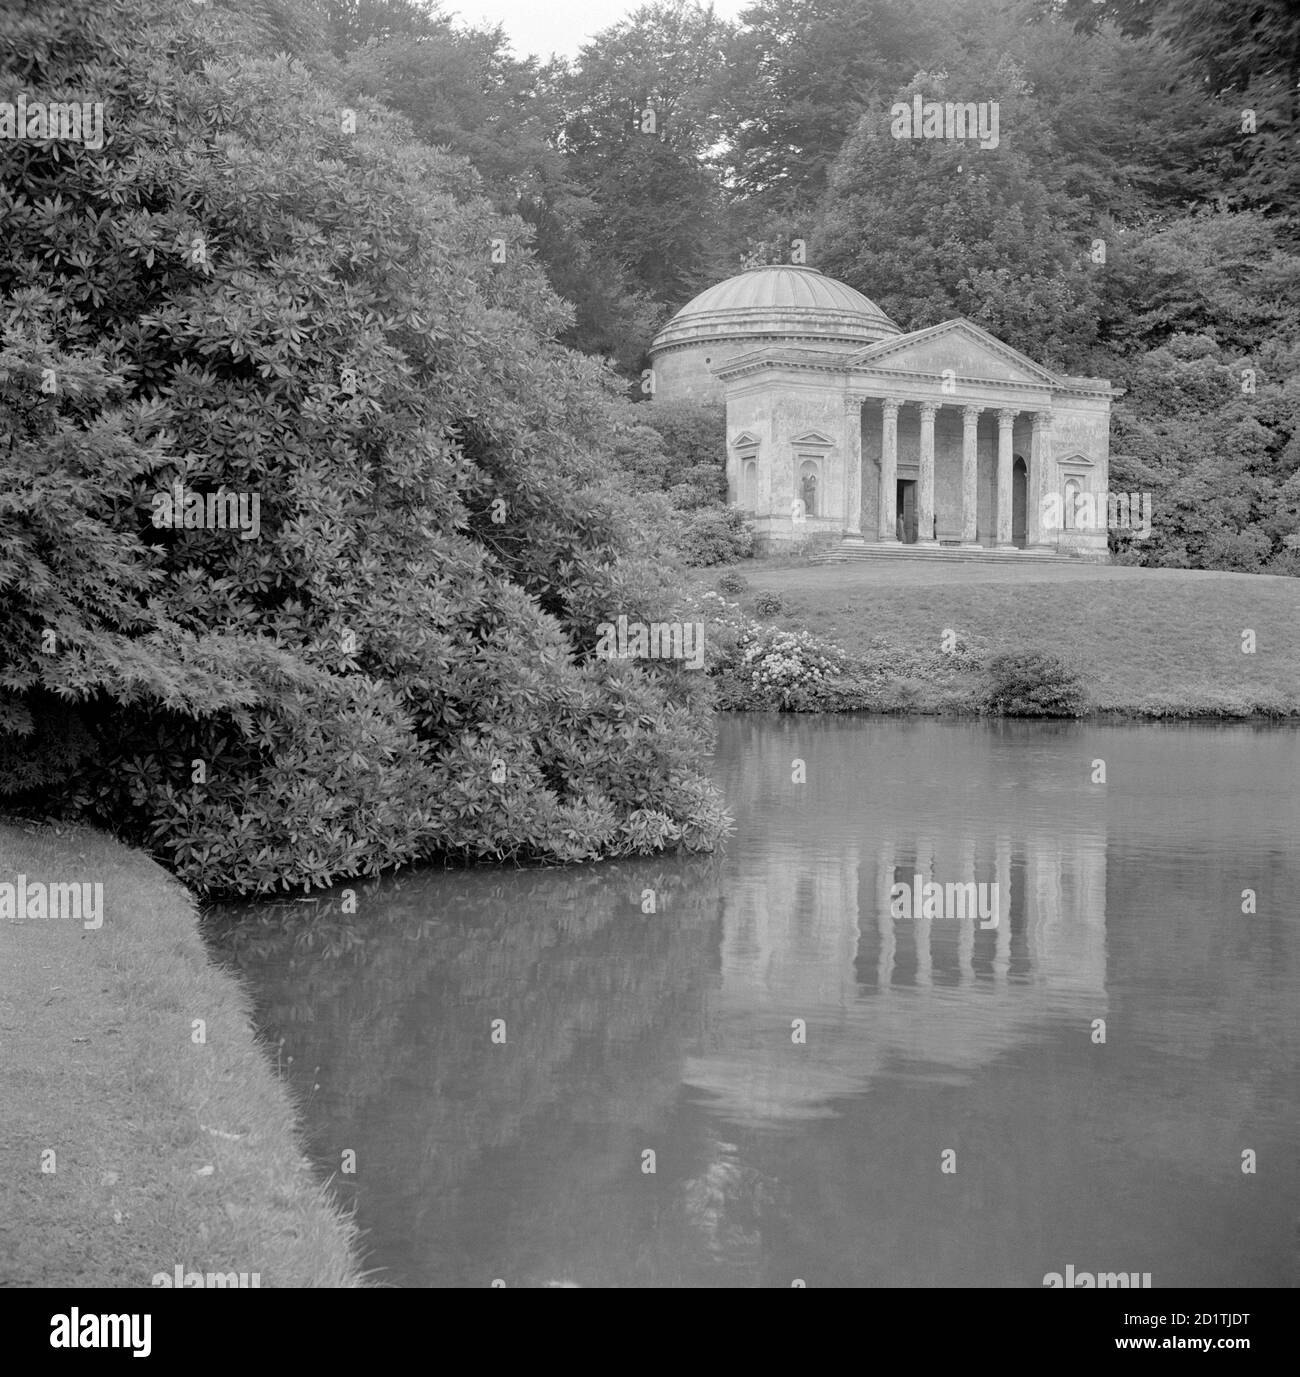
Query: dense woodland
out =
(399, 280)
(1169, 130)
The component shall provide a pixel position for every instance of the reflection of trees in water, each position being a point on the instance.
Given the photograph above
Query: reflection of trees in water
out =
(601, 1004)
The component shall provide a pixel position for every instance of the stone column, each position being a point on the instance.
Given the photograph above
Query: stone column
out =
(886, 527)
(970, 418)
(1006, 419)
(853, 468)
(1040, 454)
(925, 488)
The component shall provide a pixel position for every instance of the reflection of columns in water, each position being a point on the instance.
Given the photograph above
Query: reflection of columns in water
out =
(846, 917)
(1038, 892)
(884, 922)
(794, 927)
(921, 926)
(966, 934)
(1047, 918)
(1002, 938)
(1092, 883)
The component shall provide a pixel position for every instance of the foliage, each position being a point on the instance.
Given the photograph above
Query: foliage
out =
(1248, 53)
(931, 229)
(769, 605)
(715, 535)
(241, 294)
(1033, 683)
(641, 121)
(1205, 314)
(464, 91)
(694, 436)
(799, 76)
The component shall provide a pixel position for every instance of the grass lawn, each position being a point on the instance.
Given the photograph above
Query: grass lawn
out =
(1154, 642)
(165, 1151)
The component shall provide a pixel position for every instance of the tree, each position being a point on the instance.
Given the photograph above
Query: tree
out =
(354, 23)
(249, 292)
(642, 119)
(463, 90)
(1246, 54)
(936, 228)
(799, 75)
(1200, 320)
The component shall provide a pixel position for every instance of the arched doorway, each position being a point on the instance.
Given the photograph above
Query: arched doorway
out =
(1019, 503)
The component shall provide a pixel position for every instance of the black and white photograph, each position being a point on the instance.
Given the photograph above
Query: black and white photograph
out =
(649, 644)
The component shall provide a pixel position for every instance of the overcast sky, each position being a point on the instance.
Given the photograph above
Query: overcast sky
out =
(559, 26)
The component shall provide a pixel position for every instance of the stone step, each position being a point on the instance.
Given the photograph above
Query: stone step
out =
(944, 554)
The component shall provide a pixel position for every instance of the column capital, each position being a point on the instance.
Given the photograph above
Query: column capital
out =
(972, 412)
(893, 403)
(929, 410)
(1042, 418)
(1007, 414)
(853, 402)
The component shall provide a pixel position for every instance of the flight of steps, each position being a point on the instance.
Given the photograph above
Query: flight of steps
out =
(938, 554)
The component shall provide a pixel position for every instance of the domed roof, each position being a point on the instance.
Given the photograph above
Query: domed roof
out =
(781, 300)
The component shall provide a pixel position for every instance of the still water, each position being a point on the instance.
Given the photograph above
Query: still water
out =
(1095, 1060)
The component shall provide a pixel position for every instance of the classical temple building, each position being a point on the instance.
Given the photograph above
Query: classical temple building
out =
(842, 427)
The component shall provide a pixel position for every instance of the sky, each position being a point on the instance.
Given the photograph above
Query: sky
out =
(557, 26)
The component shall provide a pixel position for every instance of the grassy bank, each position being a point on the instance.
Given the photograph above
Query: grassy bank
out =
(165, 1151)
(1150, 642)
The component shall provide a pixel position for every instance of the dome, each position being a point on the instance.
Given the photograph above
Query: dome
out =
(781, 301)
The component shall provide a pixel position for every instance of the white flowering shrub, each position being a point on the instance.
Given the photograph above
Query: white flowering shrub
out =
(777, 664)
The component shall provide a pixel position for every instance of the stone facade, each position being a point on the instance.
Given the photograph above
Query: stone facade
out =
(942, 436)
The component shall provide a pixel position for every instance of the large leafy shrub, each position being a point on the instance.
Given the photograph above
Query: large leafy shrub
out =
(1033, 683)
(715, 535)
(694, 438)
(244, 290)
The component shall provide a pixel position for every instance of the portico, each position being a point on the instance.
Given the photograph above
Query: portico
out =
(940, 438)
(949, 504)
(845, 431)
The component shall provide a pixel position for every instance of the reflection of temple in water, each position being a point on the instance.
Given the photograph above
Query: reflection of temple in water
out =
(811, 936)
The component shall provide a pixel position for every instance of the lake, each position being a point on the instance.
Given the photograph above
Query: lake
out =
(770, 1066)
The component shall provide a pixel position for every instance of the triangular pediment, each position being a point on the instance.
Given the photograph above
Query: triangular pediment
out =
(956, 345)
(745, 440)
(1075, 460)
(814, 437)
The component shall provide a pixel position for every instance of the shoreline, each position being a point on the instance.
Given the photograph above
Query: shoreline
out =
(142, 1127)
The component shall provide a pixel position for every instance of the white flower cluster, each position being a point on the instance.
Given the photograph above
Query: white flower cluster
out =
(783, 660)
